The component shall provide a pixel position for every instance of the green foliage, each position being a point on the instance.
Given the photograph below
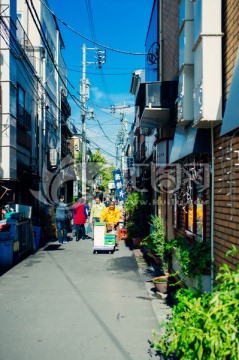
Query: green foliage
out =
(193, 258)
(133, 203)
(160, 280)
(137, 215)
(204, 326)
(96, 165)
(156, 239)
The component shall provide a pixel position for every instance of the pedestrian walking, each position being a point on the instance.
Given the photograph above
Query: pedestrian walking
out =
(96, 210)
(111, 215)
(62, 218)
(107, 201)
(80, 214)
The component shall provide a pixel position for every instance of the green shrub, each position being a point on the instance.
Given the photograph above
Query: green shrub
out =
(156, 239)
(204, 326)
(193, 258)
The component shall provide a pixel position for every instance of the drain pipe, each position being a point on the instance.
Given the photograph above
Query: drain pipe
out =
(212, 208)
(161, 40)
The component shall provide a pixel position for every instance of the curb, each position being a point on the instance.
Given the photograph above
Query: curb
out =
(161, 309)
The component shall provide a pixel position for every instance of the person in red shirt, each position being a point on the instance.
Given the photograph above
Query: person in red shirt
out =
(79, 214)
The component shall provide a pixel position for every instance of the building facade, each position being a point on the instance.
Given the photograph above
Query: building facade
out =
(193, 185)
(34, 107)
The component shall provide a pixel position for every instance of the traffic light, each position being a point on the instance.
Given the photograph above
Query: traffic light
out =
(101, 58)
(130, 162)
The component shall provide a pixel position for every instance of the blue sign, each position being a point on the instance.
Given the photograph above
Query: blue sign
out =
(119, 184)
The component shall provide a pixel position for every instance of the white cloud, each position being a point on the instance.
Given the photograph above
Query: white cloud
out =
(97, 94)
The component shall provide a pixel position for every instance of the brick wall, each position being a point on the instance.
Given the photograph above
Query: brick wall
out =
(226, 210)
(170, 39)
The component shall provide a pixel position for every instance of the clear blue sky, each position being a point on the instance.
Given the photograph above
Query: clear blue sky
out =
(118, 24)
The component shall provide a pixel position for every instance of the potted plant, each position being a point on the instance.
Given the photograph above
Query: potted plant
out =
(204, 325)
(136, 232)
(156, 241)
(136, 211)
(161, 284)
(192, 261)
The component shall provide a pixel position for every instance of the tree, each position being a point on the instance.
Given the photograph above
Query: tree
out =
(95, 166)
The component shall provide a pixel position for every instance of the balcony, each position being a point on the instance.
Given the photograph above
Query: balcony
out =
(25, 43)
(65, 106)
(24, 118)
(157, 104)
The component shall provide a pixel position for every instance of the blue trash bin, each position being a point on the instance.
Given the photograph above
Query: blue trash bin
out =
(6, 249)
(37, 236)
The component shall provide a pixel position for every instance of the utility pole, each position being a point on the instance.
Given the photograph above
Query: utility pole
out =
(121, 138)
(84, 93)
(83, 116)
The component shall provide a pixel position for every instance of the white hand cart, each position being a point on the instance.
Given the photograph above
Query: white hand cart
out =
(102, 240)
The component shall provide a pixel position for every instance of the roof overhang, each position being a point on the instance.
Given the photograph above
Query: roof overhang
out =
(155, 117)
(189, 141)
(231, 116)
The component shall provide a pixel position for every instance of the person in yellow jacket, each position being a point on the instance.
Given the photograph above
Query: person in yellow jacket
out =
(111, 215)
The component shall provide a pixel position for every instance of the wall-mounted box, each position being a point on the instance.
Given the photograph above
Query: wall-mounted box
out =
(207, 18)
(186, 44)
(185, 96)
(186, 12)
(207, 63)
(208, 82)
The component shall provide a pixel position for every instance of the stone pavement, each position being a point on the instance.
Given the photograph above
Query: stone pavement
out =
(66, 303)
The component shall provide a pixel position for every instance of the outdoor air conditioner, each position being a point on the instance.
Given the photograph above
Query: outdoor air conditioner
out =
(53, 157)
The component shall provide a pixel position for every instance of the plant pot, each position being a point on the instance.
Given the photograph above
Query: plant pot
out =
(161, 284)
(137, 241)
(157, 259)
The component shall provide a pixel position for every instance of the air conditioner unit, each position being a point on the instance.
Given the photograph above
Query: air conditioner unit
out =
(53, 157)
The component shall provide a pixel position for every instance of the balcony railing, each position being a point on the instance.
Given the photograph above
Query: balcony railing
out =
(65, 106)
(24, 118)
(65, 146)
(157, 104)
(23, 138)
(51, 119)
(25, 43)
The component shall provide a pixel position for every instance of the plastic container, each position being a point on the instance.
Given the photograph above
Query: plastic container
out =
(110, 239)
(37, 236)
(4, 227)
(6, 249)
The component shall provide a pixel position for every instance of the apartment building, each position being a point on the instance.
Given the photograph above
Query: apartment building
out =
(34, 107)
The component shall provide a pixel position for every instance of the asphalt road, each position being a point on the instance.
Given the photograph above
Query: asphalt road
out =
(66, 303)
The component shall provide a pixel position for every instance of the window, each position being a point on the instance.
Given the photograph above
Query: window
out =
(21, 97)
(195, 209)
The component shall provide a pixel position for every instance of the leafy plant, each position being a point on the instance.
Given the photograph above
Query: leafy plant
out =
(204, 326)
(135, 230)
(160, 279)
(156, 239)
(193, 258)
(136, 209)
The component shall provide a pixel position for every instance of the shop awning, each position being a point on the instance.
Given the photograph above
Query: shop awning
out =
(189, 141)
(231, 115)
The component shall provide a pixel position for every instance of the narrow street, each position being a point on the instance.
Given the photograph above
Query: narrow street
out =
(64, 302)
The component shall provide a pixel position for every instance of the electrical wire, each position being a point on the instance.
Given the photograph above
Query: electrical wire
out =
(43, 37)
(90, 40)
(92, 28)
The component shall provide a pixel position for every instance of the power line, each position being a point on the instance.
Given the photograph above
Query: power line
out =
(43, 37)
(90, 40)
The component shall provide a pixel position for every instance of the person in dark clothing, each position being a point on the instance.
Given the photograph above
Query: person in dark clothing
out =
(107, 201)
(62, 216)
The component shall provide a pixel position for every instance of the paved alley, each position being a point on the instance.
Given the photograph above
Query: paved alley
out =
(64, 302)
